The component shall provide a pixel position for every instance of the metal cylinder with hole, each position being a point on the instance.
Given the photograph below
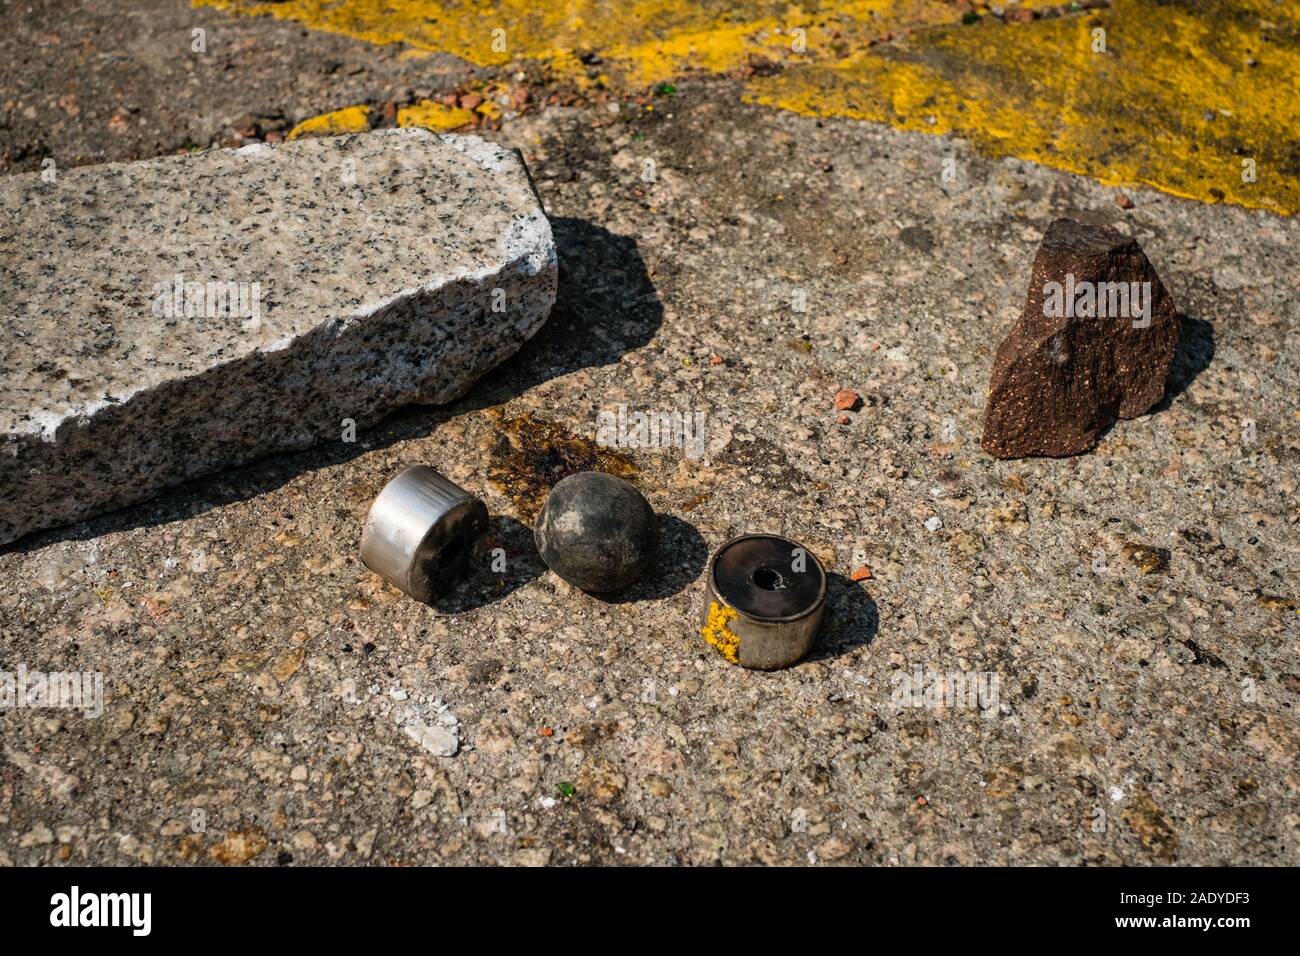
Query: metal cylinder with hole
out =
(420, 531)
(764, 598)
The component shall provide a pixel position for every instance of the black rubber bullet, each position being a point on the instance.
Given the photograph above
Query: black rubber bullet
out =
(597, 532)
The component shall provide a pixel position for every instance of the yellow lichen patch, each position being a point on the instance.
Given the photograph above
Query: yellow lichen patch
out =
(717, 631)
(353, 119)
(435, 116)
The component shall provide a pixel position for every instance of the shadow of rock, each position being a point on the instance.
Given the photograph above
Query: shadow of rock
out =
(1192, 356)
(852, 619)
(605, 306)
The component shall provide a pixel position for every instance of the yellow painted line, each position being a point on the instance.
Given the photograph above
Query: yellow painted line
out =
(1180, 99)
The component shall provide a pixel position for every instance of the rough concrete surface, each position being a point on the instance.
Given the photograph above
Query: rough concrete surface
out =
(1137, 604)
(171, 317)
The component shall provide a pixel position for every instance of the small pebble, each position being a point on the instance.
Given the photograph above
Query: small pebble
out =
(846, 399)
(436, 740)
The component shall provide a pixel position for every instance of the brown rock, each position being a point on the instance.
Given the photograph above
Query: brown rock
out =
(1147, 559)
(1093, 344)
(240, 846)
(288, 664)
(834, 849)
(601, 779)
(1150, 824)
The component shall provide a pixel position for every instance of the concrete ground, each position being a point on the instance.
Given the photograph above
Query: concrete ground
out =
(721, 254)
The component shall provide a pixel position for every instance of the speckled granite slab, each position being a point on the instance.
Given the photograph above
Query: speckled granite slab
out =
(165, 319)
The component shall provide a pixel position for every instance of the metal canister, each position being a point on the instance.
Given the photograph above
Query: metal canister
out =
(764, 598)
(420, 532)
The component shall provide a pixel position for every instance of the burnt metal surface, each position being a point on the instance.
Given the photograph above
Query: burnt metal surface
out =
(756, 575)
(764, 600)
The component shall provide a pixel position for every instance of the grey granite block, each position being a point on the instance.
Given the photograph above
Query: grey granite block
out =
(320, 280)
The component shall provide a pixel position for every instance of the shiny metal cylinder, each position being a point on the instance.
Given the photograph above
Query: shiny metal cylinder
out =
(764, 598)
(420, 531)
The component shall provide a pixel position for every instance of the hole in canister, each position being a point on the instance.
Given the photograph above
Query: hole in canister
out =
(769, 579)
(450, 553)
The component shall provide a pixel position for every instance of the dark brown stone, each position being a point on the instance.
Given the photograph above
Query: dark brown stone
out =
(1059, 379)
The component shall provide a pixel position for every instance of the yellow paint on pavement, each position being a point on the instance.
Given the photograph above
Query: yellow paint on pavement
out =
(1181, 97)
(435, 116)
(353, 119)
(1172, 102)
